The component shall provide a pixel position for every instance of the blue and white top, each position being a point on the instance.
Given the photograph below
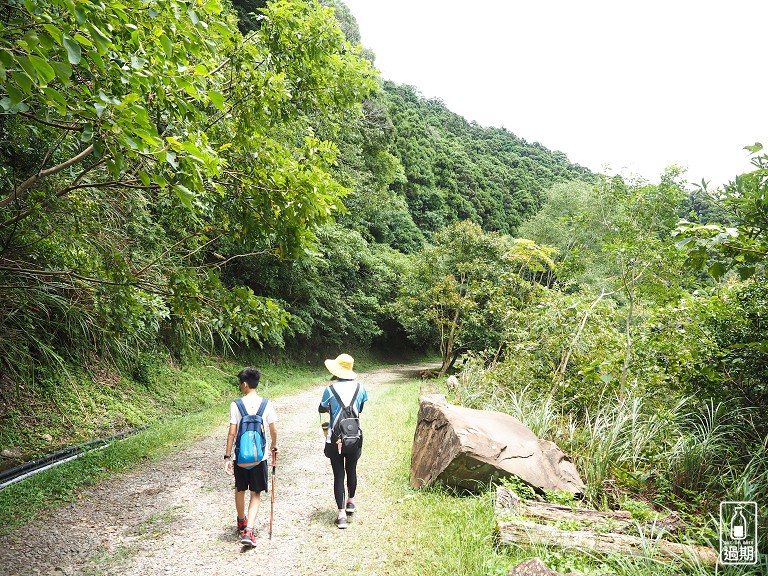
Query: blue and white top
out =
(345, 389)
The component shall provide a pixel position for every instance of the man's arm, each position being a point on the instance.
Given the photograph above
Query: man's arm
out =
(273, 434)
(228, 450)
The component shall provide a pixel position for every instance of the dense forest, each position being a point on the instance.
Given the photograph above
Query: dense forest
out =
(181, 177)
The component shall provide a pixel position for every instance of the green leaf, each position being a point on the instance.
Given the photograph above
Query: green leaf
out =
(99, 108)
(32, 41)
(189, 88)
(101, 40)
(24, 82)
(87, 134)
(28, 67)
(217, 98)
(754, 149)
(137, 63)
(63, 71)
(83, 41)
(167, 45)
(717, 270)
(15, 94)
(746, 272)
(54, 32)
(185, 195)
(170, 157)
(44, 71)
(96, 57)
(74, 54)
(160, 181)
(57, 99)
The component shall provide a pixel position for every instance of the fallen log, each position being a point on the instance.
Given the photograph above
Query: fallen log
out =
(509, 502)
(526, 532)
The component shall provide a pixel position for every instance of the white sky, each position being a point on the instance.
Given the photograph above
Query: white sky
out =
(627, 86)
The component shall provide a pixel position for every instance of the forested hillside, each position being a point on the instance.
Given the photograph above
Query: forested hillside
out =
(180, 178)
(171, 182)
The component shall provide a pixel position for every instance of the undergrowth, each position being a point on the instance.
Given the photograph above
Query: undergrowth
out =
(74, 406)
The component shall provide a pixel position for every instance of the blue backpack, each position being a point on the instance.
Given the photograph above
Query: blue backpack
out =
(251, 441)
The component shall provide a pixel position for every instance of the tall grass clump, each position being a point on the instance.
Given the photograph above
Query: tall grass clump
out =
(674, 452)
(704, 447)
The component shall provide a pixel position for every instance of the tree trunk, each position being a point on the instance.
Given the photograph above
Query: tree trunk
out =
(567, 354)
(446, 345)
(628, 353)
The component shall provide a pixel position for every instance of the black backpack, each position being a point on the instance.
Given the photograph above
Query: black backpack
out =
(346, 427)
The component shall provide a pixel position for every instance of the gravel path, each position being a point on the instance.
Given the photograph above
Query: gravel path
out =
(176, 515)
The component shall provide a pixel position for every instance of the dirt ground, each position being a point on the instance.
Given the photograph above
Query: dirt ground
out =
(176, 515)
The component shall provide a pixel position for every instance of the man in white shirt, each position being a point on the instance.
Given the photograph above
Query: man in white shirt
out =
(255, 478)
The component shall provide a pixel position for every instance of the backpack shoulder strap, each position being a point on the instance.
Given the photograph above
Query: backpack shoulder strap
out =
(241, 407)
(262, 407)
(351, 402)
(336, 395)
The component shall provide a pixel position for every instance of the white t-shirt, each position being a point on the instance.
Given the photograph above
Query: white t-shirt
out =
(252, 403)
(345, 389)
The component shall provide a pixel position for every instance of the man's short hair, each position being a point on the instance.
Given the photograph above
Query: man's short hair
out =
(251, 376)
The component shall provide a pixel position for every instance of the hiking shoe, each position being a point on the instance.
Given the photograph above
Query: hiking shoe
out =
(241, 525)
(341, 523)
(350, 508)
(248, 538)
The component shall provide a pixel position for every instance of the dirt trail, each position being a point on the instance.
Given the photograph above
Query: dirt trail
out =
(176, 515)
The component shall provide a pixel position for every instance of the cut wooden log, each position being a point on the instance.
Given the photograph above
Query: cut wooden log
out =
(525, 532)
(509, 502)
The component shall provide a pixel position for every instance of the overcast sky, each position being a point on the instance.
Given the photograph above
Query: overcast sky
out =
(633, 86)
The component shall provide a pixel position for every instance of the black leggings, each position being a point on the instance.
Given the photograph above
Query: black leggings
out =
(341, 464)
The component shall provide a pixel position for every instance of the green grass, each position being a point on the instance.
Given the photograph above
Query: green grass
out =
(47, 490)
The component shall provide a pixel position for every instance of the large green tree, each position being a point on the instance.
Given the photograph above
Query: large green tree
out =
(145, 146)
(462, 289)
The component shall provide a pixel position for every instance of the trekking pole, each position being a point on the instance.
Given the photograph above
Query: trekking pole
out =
(272, 499)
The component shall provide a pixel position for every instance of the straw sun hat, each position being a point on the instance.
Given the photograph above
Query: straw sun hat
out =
(341, 366)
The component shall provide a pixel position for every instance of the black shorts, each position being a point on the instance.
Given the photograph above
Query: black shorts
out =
(253, 479)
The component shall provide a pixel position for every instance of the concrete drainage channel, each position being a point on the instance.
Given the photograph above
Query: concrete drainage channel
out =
(28, 469)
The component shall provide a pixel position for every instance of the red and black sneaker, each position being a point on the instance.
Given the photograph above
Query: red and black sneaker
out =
(248, 538)
(241, 525)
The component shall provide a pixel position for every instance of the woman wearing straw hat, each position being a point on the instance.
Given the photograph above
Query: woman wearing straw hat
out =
(343, 392)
